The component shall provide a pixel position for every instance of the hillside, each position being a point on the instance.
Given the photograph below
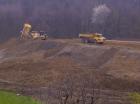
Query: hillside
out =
(39, 64)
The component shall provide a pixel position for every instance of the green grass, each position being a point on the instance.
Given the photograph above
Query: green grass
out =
(11, 98)
(135, 98)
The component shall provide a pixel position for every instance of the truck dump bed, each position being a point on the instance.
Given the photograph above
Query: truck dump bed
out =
(85, 35)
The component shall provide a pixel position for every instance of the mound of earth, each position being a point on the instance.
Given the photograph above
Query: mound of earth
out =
(44, 63)
(20, 61)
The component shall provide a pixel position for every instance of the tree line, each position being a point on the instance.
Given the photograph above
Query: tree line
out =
(68, 18)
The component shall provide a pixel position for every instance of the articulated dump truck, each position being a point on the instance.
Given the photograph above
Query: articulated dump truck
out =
(92, 38)
(26, 33)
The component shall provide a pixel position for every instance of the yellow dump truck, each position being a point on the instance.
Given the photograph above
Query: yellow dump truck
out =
(92, 38)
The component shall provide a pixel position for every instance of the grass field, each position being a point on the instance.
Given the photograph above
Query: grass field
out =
(11, 98)
(135, 98)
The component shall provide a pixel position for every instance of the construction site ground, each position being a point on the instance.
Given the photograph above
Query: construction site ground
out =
(32, 66)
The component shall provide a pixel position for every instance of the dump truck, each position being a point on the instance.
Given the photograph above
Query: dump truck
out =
(92, 38)
(26, 33)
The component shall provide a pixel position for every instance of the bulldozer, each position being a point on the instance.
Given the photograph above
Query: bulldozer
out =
(26, 33)
(92, 38)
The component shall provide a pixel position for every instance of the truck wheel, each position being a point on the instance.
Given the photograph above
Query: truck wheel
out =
(82, 40)
(43, 38)
(85, 41)
(95, 41)
(101, 43)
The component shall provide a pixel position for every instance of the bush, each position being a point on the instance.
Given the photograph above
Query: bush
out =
(11, 98)
(135, 98)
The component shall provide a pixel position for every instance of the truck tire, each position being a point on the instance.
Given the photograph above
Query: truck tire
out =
(43, 38)
(85, 41)
(82, 40)
(95, 41)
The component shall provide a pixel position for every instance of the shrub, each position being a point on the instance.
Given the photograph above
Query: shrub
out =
(135, 98)
(11, 98)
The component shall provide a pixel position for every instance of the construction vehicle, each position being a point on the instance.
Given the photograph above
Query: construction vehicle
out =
(26, 33)
(39, 35)
(92, 38)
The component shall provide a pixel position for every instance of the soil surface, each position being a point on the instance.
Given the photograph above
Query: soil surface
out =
(37, 65)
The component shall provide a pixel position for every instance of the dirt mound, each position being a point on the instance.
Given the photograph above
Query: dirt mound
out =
(41, 63)
(31, 55)
(125, 64)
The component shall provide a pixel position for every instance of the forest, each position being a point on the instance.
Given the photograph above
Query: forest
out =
(116, 19)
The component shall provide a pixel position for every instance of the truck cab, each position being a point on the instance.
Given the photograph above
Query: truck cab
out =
(39, 35)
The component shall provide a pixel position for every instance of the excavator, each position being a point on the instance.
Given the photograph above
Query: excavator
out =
(26, 33)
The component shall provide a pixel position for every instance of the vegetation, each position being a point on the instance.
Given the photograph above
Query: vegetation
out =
(11, 98)
(135, 97)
